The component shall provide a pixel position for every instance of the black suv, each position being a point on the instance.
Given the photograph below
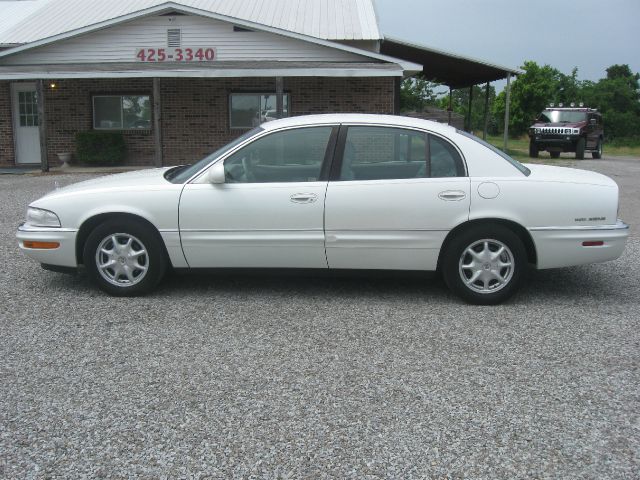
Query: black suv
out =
(560, 129)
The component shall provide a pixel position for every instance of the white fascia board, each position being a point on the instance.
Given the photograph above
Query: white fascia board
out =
(209, 73)
(409, 67)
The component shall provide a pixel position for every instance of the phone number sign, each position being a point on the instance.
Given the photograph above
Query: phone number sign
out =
(186, 54)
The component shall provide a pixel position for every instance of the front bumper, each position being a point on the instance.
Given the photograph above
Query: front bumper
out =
(562, 246)
(558, 144)
(64, 255)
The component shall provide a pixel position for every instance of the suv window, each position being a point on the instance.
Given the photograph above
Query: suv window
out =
(289, 156)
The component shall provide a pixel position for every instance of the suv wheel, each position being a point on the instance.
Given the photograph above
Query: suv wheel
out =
(580, 149)
(533, 149)
(597, 153)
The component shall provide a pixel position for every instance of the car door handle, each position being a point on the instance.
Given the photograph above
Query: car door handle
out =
(452, 195)
(303, 197)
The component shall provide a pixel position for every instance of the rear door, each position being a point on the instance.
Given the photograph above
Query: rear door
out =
(394, 195)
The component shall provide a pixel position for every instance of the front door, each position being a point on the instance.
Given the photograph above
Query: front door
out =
(270, 210)
(396, 196)
(25, 122)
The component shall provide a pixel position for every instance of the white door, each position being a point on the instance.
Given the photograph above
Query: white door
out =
(25, 122)
(269, 213)
(398, 194)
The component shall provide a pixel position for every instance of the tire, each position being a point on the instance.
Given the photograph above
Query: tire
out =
(132, 272)
(555, 154)
(533, 149)
(485, 240)
(580, 149)
(597, 153)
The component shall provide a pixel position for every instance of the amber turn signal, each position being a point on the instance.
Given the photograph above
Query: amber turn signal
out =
(40, 245)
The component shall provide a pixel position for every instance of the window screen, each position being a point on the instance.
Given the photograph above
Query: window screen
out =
(248, 110)
(121, 112)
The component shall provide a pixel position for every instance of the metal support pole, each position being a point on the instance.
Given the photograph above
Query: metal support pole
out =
(42, 126)
(397, 85)
(279, 97)
(450, 109)
(157, 122)
(485, 121)
(507, 100)
(469, 127)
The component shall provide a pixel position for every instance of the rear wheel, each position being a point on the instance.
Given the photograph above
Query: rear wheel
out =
(597, 153)
(580, 149)
(555, 154)
(533, 149)
(485, 264)
(124, 258)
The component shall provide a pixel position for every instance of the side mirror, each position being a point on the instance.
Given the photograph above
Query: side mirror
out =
(593, 121)
(216, 174)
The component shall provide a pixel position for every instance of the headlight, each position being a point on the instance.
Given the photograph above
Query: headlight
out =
(575, 131)
(39, 217)
(537, 130)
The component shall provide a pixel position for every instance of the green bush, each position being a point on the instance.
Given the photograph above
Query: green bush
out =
(100, 148)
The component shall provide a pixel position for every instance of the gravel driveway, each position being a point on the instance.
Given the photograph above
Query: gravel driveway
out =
(289, 377)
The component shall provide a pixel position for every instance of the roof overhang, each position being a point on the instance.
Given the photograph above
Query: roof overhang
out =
(449, 69)
(209, 70)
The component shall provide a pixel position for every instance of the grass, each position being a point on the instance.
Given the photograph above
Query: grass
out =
(519, 149)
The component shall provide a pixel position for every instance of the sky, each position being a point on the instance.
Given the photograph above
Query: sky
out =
(589, 34)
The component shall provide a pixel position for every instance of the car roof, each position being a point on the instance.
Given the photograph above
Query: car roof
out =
(334, 118)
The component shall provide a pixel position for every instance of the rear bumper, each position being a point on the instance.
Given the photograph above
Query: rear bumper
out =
(64, 255)
(562, 246)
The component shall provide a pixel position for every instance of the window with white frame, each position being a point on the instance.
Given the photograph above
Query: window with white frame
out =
(121, 112)
(248, 110)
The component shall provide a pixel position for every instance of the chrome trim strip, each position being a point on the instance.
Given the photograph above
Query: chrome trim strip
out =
(618, 226)
(27, 228)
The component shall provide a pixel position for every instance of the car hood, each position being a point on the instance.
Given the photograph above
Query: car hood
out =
(137, 180)
(551, 173)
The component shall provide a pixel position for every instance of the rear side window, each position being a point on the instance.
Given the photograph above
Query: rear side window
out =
(386, 153)
(445, 159)
(512, 161)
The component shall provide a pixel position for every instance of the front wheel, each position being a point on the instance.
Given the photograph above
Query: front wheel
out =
(533, 149)
(485, 265)
(124, 258)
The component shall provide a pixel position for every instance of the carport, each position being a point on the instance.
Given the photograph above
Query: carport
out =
(454, 71)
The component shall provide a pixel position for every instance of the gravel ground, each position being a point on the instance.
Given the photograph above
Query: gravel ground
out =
(280, 377)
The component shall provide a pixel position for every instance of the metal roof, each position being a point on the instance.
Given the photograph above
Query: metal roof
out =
(447, 68)
(326, 19)
(15, 12)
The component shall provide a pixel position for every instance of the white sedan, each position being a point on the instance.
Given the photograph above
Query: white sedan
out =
(343, 191)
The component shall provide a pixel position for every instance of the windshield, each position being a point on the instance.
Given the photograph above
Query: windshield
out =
(512, 161)
(562, 116)
(185, 172)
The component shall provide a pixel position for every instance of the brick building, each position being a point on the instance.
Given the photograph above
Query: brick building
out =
(178, 80)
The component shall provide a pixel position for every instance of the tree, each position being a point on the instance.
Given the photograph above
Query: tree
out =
(416, 94)
(531, 92)
(460, 104)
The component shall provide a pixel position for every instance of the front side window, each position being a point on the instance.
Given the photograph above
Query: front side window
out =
(249, 110)
(121, 112)
(293, 155)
